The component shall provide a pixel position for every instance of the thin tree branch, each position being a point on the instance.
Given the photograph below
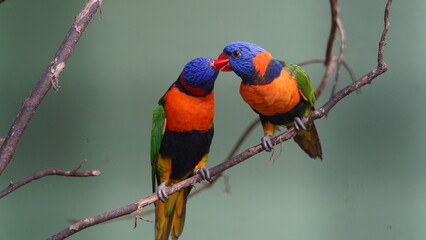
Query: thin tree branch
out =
(321, 112)
(49, 172)
(333, 29)
(47, 79)
(382, 42)
(341, 54)
(329, 52)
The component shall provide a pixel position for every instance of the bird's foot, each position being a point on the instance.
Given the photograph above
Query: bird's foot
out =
(204, 173)
(267, 143)
(298, 124)
(161, 192)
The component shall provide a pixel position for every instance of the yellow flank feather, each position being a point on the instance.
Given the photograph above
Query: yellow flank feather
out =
(269, 128)
(164, 168)
(202, 162)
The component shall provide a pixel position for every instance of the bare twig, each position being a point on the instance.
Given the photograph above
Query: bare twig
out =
(138, 216)
(47, 79)
(333, 29)
(341, 54)
(79, 166)
(49, 172)
(367, 78)
(329, 52)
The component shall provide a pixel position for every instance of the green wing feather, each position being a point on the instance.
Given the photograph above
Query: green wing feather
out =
(158, 120)
(303, 81)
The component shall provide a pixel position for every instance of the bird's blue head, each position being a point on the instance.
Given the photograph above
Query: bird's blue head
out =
(198, 77)
(252, 63)
(241, 58)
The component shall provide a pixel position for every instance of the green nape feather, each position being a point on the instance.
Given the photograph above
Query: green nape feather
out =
(157, 132)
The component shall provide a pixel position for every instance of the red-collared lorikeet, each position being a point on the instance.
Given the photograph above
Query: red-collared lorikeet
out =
(182, 131)
(280, 92)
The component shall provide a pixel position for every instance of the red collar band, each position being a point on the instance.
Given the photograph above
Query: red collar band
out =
(192, 90)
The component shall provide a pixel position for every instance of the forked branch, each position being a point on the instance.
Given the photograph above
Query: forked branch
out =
(329, 63)
(49, 172)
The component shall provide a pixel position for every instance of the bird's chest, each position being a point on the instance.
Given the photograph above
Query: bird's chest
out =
(187, 113)
(279, 96)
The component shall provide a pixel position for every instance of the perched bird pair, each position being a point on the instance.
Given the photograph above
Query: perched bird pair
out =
(182, 128)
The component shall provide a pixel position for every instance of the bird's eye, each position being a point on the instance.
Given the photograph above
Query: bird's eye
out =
(235, 54)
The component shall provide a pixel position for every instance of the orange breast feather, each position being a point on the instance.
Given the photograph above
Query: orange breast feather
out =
(186, 113)
(279, 96)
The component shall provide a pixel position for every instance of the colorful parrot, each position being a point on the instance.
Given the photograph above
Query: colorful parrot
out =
(182, 131)
(280, 92)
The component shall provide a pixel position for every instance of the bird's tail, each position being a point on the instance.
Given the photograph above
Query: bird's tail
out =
(170, 215)
(309, 141)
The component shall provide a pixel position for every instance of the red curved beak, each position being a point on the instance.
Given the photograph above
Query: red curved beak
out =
(221, 63)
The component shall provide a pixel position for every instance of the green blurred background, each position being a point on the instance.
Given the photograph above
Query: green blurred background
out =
(371, 184)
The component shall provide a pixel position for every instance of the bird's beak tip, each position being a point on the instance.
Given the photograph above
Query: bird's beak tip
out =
(221, 63)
